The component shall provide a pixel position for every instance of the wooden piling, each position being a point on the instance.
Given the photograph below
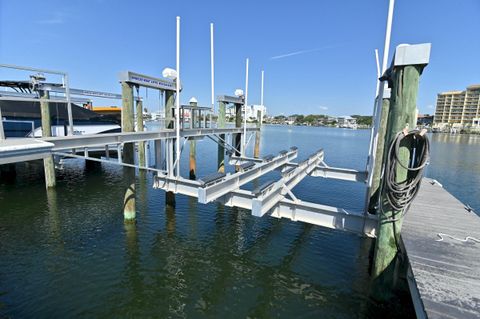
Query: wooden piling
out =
(140, 128)
(193, 149)
(169, 103)
(402, 114)
(48, 164)
(374, 191)
(221, 145)
(169, 144)
(129, 209)
(238, 124)
(256, 150)
(158, 154)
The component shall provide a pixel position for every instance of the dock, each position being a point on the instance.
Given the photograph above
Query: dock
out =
(440, 237)
(23, 149)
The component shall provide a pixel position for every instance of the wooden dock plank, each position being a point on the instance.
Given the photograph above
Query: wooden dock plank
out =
(446, 273)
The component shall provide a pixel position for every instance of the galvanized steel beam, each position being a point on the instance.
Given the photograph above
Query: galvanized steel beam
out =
(344, 174)
(312, 213)
(79, 141)
(268, 198)
(235, 181)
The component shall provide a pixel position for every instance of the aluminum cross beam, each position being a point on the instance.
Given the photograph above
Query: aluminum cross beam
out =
(269, 197)
(176, 185)
(312, 213)
(80, 141)
(321, 170)
(235, 181)
(339, 173)
(32, 97)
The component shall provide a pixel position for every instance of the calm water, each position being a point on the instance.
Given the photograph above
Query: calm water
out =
(68, 253)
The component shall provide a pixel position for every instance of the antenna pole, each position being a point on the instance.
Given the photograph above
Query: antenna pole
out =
(245, 111)
(379, 101)
(212, 66)
(377, 60)
(177, 101)
(261, 96)
(261, 91)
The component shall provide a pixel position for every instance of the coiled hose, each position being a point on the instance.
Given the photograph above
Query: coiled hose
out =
(401, 194)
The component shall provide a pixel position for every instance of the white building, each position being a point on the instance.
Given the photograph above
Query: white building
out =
(157, 115)
(252, 111)
(347, 122)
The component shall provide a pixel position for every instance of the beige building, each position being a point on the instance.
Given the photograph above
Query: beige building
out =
(458, 109)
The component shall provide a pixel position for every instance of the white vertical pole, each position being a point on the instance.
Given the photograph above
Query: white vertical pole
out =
(261, 99)
(245, 111)
(379, 102)
(69, 104)
(388, 33)
(177, 100)
(212, 71)
(212, 66)
(379, 74)
(261, 91)
(374, 121)
(2, 132)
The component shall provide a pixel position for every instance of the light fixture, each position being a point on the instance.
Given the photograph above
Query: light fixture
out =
(169, 73)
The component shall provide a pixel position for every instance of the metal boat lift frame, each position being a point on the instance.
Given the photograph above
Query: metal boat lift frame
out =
(274, 198)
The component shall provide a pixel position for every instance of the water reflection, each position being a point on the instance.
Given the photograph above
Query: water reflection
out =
(69, 253)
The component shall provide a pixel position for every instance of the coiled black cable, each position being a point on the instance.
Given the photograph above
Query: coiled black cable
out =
(400, 195)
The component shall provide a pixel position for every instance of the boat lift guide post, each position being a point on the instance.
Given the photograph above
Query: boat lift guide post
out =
(65, 85)
(404, 75)
(129, 80)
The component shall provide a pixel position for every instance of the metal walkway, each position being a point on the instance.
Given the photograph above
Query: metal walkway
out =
(23, 149)
(14, 150)
(439, 234)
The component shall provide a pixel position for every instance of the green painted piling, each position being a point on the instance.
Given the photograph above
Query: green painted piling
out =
(129, 209)
(140, 128)
(374, 191)
(48, 164)
(256, 150)
(193, 150)
(221, 146)
(402, 115)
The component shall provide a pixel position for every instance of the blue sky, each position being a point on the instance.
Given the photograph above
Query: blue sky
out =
(318, 56)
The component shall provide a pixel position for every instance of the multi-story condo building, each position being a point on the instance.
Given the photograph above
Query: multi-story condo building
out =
(458, 108)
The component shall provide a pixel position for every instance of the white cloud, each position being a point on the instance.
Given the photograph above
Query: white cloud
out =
(323, 108)
(430, 106)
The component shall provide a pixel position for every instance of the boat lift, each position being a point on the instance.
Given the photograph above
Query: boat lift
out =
(275, 198)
